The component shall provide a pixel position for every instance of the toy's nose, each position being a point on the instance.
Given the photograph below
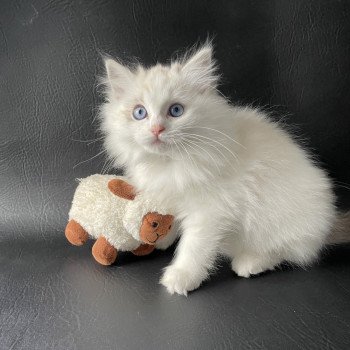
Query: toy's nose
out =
(157, 129)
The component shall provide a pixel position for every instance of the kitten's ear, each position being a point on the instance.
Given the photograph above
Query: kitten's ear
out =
(200, 68)
(119, 77)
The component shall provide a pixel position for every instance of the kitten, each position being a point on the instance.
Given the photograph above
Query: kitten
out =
(240, 185)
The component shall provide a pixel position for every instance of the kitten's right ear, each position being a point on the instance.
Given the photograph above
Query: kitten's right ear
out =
(200, 68)
(119, 77)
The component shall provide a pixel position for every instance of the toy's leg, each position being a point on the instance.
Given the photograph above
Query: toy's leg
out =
(103, 252)
(75, 233)
(143, 249)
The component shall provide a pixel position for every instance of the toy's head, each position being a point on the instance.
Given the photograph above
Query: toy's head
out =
(142, 208)
(155, 226)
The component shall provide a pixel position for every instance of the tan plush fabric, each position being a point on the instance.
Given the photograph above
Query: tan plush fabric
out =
(121, 189)
(103, 252)
(75, 234)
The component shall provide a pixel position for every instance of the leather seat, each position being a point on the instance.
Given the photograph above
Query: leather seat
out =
(292, 56)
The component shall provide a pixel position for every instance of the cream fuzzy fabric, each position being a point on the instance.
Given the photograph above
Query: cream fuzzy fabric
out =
(100, 212)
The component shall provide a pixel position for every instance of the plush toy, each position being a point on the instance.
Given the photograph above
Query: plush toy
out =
(107, 208)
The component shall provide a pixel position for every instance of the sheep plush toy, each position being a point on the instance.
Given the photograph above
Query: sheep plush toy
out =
(107, 208)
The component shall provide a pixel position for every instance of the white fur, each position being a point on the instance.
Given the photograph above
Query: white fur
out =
(100, 212)
(240, 184)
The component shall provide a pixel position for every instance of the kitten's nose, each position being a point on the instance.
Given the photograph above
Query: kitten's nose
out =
(157, 129)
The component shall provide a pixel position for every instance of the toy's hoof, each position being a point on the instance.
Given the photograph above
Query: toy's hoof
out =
(143, 249)
(103, 252)
(75, 234)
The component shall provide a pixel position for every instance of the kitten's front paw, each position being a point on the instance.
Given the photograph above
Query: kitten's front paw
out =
(180, 281)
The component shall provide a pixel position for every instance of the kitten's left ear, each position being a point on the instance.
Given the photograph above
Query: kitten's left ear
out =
(119, 77)
(200, 68)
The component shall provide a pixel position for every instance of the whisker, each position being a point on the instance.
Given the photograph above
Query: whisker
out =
(182, 158)
(196, 137)
(87, 160)
(217, 142)
(342, 184)
(203, 149)
(193, 136)
(189, 156)
(108, 165)
(88, 141)
(222, 133)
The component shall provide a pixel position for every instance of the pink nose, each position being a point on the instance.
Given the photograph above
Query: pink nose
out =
(157, 129)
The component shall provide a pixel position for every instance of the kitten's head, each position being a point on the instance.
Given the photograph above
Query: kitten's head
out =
(153, 111)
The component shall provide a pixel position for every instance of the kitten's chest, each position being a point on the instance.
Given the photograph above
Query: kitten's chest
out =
(182, 186)
(167, 179)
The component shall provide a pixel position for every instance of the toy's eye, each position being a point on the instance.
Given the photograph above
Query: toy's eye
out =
(155, 224)
(169, 227)
(139, 113)
(176, 110)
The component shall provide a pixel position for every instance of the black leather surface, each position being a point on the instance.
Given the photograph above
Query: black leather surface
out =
(55, 296)
(291, 55)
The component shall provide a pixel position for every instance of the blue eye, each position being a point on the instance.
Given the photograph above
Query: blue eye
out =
(176, 110)
(139, 113)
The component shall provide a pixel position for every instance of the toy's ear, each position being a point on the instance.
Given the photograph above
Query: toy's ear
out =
(122, 189)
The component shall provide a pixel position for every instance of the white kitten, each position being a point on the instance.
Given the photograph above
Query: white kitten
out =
(240, 185)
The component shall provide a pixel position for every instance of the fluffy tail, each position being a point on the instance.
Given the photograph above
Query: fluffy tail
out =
(341, 230)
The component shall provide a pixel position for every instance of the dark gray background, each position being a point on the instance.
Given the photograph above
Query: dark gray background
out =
(291, 56)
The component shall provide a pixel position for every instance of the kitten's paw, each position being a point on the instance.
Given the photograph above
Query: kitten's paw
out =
(180, 281)
(246, 265)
